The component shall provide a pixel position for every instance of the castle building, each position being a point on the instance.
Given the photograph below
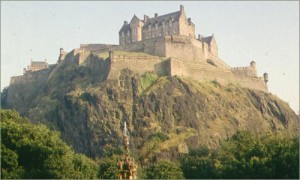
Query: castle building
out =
(174, 23)
(37, 65)
(175, 50)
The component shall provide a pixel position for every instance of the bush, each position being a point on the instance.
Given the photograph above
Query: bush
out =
(33, 151)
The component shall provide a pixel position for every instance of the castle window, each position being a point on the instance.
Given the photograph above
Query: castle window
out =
(170, 23)
(156, 26)
(163, 24)
(128, 33)
(149, 27)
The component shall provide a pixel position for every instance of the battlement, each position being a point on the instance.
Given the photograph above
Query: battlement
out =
(36, 66)
(247, 71)
(163, 44)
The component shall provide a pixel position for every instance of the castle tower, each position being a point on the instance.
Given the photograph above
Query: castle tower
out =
(266, 77)
(253, 64)
(62, 55)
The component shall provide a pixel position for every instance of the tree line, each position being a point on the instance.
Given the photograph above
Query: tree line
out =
(33, 151)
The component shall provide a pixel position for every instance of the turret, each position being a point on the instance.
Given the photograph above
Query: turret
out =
(253, 64)
(62, 54)
(181, 8)
(189, 21)
(266, 77)
(145, 18)
(61, 51)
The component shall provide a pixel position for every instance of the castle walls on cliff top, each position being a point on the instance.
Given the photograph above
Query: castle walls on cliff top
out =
(138, 64)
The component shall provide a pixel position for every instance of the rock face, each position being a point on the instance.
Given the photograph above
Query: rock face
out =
(166, 115)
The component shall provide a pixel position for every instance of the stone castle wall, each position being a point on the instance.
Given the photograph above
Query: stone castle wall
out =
(31, 76)
(138, 64)
(177, 46)
(244, 71)
(171, 55)
(186, 56)
(205, 72)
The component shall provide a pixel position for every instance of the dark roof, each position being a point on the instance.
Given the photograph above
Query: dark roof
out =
(207, 39)
(134, 16)
(125, 27)
(159, 19)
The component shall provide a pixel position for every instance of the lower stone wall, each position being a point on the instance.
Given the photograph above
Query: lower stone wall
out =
(97, 47)
(244, 71)
(138, 64)
(205, 72)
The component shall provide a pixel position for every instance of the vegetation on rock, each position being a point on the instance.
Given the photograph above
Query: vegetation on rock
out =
(245, 156)
(33, 151)
(167, 118)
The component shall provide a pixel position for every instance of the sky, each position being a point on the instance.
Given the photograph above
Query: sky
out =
(266, 32)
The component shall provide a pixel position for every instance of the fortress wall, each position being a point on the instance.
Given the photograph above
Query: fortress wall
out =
(210, 74)
(198, 50)
(96, 47)
(83, 56)
(244, 71)
(177, 67)
(160, 47)
(219, 62)
(183, 48)
(138, 64)
(205, 50)
(39, 76)
(254, 83)
(16, 79)
(130, 47)
(179, 48)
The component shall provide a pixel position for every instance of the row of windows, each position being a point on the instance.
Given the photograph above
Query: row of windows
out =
(160, 34)
(149, 28)
(156, 25)
(153, 35)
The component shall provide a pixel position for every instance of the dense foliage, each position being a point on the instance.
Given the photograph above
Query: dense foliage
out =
(245, 156)
(163, 170)
(33, 151)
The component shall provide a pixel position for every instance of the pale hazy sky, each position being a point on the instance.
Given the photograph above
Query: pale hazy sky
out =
(266, 32)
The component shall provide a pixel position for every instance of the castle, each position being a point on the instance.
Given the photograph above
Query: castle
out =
(167, 46)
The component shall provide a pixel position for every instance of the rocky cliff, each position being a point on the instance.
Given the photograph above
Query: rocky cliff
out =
(166, 115)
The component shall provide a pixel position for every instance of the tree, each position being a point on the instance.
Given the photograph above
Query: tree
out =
(33, 151)
(108, 168)
(164, 170)
(200, 163)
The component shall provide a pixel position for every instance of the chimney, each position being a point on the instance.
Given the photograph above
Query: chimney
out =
(181, 8)
(125, 22)
(145, 18)
(200, 37)
(156, 15)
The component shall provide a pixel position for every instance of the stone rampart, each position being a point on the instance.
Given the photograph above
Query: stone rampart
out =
(138, 64)
(176, 46)
(244, 71)
(97, 47)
